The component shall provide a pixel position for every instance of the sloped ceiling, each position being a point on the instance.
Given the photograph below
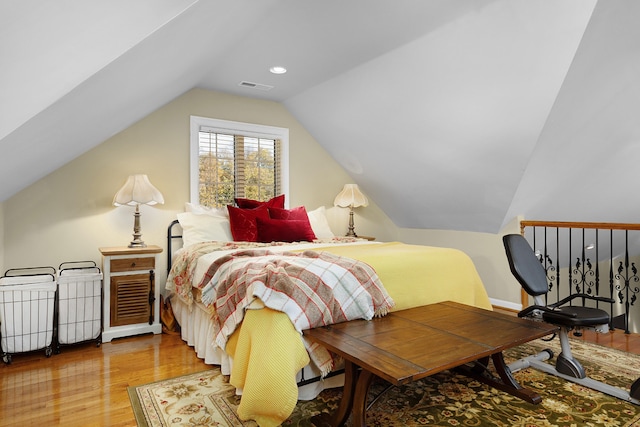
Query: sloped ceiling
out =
(450, 114)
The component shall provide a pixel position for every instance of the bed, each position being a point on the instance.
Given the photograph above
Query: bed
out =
(261, 346)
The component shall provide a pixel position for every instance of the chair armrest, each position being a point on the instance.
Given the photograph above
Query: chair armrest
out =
(527, 311)
(586, 296)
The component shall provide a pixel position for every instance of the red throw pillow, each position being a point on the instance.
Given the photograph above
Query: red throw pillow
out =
(243, 222)
(276, 202)
(278, 230)
(299, 213)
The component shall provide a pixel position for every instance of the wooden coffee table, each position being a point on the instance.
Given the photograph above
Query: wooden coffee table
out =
(411, 344)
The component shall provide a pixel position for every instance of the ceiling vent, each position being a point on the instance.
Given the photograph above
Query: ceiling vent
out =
(257, 86)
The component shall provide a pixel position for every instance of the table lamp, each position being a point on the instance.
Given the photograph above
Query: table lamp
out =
(351, 197)
(136, 191)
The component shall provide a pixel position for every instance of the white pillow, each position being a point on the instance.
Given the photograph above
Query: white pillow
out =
(206, 210)
(203, 228)
(319, 223)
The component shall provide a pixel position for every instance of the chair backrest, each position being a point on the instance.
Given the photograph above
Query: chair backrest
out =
(524, 265)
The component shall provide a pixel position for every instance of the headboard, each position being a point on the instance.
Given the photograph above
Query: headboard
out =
(174, 241)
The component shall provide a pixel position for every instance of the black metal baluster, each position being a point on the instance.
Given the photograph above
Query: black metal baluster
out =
(611, 276)
(598, 266)
(570, 270)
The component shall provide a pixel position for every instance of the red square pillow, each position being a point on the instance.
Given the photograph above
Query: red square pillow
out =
(278, 230)
(276, 202)
(243, 222)
(299, 213)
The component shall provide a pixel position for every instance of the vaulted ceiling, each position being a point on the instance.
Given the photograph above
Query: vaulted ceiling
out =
(450, 114)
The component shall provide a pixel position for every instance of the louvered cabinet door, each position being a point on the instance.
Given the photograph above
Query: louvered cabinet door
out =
(131, 300)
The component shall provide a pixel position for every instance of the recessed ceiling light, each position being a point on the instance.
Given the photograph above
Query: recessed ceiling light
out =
(278, 70)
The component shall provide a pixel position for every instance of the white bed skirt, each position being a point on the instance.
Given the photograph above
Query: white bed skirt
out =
(197, 332)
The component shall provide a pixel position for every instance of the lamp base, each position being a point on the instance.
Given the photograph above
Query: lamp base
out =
(137, 241)
(351, 231)
(137, 244)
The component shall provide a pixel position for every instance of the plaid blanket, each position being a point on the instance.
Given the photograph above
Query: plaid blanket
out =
(312, 288)
(180, 278)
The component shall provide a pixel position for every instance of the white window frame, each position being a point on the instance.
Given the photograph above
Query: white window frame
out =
(240, 128)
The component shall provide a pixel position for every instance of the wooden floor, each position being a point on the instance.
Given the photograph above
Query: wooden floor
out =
(87, 385)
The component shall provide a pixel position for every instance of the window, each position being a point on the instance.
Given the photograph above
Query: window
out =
(233, 159)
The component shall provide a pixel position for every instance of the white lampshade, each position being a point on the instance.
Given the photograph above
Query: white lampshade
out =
(138, 190)
(350, 196)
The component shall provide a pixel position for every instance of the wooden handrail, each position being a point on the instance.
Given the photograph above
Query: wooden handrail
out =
(572, 224)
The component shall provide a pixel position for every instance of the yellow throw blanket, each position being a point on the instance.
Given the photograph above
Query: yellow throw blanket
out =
(267, 352)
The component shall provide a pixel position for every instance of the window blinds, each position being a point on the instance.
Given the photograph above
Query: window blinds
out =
(232, 165)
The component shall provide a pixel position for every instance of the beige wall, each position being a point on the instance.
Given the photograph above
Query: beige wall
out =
(68, 214)
(2, 268)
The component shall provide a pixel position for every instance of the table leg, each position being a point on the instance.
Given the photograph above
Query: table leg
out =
(360, 398)
(506, 382)
(340, 417)
(512, 386)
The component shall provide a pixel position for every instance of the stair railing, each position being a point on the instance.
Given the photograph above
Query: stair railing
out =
(595, 258)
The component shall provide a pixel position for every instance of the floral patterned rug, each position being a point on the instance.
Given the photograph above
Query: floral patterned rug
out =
(445, 399)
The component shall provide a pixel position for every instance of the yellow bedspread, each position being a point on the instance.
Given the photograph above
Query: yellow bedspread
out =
(413, 275)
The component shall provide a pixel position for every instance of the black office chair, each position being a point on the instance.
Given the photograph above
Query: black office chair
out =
(528, 270)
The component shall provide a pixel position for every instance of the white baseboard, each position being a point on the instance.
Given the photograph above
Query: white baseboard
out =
(505, 304)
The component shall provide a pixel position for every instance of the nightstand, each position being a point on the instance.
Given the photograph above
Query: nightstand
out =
(369, 238)
(131, 297)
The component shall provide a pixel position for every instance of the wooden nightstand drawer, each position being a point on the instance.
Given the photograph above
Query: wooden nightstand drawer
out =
(133, 264)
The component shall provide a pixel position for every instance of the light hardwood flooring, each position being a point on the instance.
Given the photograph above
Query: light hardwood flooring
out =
(87, 385)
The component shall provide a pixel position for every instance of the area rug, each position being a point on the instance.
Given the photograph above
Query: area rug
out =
(446, 399)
